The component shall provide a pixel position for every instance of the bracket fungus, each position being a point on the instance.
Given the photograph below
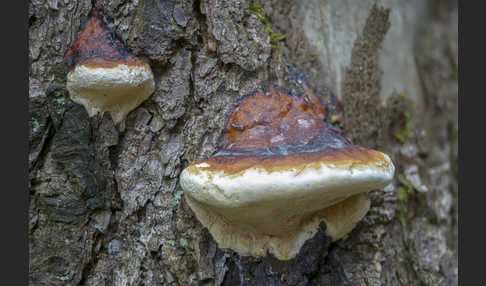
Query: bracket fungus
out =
(280, 172)
(105, 76)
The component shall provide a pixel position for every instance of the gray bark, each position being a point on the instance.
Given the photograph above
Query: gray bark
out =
(105, 204)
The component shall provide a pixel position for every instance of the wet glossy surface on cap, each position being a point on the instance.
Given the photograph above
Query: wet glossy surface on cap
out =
(274, 120)
(98, 46)
(276, 131)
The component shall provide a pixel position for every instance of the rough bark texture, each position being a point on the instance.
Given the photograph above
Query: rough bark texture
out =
(105, 204)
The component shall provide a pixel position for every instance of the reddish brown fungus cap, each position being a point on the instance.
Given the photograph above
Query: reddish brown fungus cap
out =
(265, 121)
(98, 46)
(278, 131)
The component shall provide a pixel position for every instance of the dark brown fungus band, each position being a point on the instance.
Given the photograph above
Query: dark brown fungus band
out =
(105, 75)
(280, 171)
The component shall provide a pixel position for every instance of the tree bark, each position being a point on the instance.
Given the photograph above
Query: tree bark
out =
(106, 207)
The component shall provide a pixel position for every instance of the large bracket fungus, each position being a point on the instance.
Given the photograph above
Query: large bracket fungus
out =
(106, 77)
(280, 172)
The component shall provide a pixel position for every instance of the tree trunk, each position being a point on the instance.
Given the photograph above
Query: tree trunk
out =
(106, 207)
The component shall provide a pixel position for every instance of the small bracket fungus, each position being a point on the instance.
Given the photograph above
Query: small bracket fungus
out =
(106, 77)
(280, 172)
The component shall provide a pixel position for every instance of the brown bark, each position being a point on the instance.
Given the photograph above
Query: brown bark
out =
(105, 204)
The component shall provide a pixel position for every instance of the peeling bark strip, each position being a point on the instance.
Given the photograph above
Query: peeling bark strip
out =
(362, 106)
(106, 207)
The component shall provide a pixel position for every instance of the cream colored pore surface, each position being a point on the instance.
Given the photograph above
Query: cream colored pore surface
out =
(287, 206)
(340, 220)
(117, 90)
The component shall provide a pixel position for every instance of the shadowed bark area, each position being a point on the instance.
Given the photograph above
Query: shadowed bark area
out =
(106, 207)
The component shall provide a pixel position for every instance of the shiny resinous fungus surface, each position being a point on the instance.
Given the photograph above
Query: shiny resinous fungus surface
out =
(267, 127)
(99, 46)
